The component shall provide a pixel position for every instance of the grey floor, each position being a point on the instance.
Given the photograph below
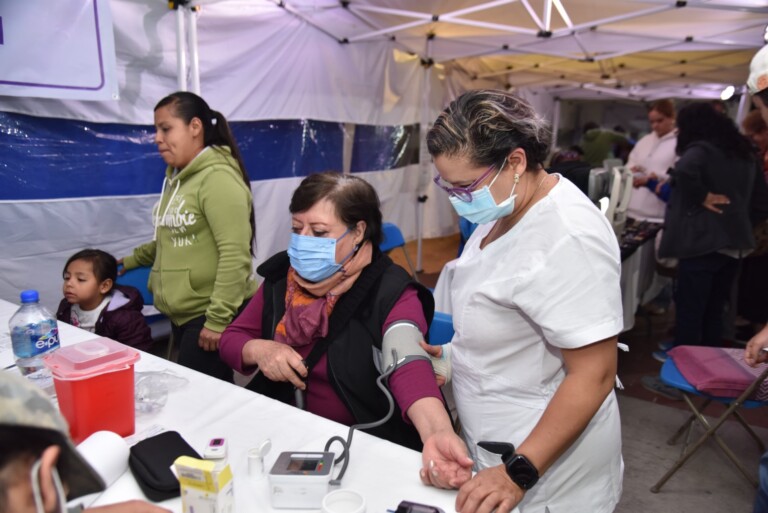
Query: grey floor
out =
(708, 482)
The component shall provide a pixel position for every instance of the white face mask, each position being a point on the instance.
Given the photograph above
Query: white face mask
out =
(61, 497)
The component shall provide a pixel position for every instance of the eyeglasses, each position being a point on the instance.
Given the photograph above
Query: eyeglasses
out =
(465, 193)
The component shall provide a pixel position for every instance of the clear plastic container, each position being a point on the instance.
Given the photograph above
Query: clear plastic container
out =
(34, 334)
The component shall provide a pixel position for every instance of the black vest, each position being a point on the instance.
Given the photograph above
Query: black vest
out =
(354, 330)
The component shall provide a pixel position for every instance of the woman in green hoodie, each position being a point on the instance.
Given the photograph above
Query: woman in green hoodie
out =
(202, 245)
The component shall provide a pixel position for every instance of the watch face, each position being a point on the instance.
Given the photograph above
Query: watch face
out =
(522, 471)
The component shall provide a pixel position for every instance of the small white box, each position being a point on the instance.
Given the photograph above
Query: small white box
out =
(206, 487)
(300, 480)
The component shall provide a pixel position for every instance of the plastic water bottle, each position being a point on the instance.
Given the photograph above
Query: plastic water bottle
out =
(34, 333)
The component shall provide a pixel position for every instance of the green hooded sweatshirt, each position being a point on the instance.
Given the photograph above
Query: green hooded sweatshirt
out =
(200, 258)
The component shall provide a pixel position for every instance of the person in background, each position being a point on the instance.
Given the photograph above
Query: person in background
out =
(651, 158)
(598, 144)
(757, 84)
(204, 228)
(622, 151)
(649, 162)
(40, 468)
(325, 306)
(756, 353)
(756, 129)
(94, 302)
(536, 306)
(753, 278)
(707, 225)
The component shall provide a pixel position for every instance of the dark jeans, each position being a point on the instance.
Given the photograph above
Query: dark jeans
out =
(703, 289)
(193, 356)
(761, 500)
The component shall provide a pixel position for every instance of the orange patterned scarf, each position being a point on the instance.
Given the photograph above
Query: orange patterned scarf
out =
(308, 305)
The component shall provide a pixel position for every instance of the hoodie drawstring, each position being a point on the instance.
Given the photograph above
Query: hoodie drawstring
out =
(160, 219)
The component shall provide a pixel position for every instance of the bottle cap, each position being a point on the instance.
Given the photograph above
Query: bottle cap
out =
(30, 296)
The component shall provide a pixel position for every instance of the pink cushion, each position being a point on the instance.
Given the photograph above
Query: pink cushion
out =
(718, 371)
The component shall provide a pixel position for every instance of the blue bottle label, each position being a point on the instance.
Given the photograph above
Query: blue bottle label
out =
(48, 341)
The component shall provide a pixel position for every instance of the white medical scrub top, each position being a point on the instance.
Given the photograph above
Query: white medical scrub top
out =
(656, 155)
(551, 282)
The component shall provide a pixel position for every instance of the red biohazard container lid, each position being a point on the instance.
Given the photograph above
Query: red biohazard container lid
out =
(90, 358)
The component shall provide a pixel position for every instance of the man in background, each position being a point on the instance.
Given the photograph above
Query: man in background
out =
(40, 468)
(598, 144)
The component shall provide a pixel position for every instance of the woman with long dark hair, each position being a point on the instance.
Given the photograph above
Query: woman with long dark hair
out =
(707, 224)
(203, 230)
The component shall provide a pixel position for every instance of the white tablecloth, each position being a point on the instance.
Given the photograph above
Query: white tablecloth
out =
(385, 473)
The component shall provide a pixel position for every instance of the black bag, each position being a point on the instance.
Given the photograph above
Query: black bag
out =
(150, 462)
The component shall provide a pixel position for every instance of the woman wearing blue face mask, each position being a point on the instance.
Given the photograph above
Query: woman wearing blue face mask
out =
(536, 306)
(323, 306)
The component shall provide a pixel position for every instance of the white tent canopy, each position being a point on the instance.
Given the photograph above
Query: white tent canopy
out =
(356, 64)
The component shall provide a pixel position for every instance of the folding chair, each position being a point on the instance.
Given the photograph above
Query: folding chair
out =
(392, 238)
(722, 373)
(441, 329)
(158, 323)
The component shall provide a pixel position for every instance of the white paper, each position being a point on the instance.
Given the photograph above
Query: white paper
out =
(107, 453)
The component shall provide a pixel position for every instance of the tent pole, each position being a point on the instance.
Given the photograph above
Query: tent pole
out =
(181, 50)
(743, 106)
(555, 124)
(424, 157)
(194, 61)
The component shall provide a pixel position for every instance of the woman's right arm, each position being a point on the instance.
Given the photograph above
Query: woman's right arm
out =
(242, 348)
(243, 328)
(755, 352)
(143, 255)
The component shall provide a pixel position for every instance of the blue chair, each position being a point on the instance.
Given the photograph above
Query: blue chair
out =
(392, 238)
(139, 279)
(671, 376)
(158, 323)
(466, 228)
(441, 329)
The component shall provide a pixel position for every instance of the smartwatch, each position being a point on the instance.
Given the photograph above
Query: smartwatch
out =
(521, 470)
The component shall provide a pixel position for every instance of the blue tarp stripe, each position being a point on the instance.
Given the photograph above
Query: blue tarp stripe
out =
(49, 158)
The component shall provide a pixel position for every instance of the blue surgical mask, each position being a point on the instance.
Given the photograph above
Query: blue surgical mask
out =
(482, 208)
(314, 258)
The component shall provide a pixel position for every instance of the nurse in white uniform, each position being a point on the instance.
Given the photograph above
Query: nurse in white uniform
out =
(537, 308)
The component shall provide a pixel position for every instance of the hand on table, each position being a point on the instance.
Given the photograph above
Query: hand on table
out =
(490, 490)
(446, 462)
(712, 200)
(754, 353)
(277, 361)
(209, 339)
(134, 506)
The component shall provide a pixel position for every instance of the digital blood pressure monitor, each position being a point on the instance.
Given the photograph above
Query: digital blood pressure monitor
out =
(300, 480)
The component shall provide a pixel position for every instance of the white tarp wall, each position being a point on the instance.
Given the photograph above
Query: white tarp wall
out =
(57, 50)
(257, 62)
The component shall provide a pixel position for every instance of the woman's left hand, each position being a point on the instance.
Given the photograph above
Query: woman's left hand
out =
(209, 339)
(712, 200)
(491, 489)
(446, 461)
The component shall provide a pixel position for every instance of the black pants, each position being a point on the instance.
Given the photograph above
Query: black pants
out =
(703, 289)
(193, 356)
(753, 284)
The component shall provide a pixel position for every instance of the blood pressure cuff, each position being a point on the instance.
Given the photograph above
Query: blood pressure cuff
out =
(150, 462)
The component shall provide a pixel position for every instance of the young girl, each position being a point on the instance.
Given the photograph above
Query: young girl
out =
(93, 302)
